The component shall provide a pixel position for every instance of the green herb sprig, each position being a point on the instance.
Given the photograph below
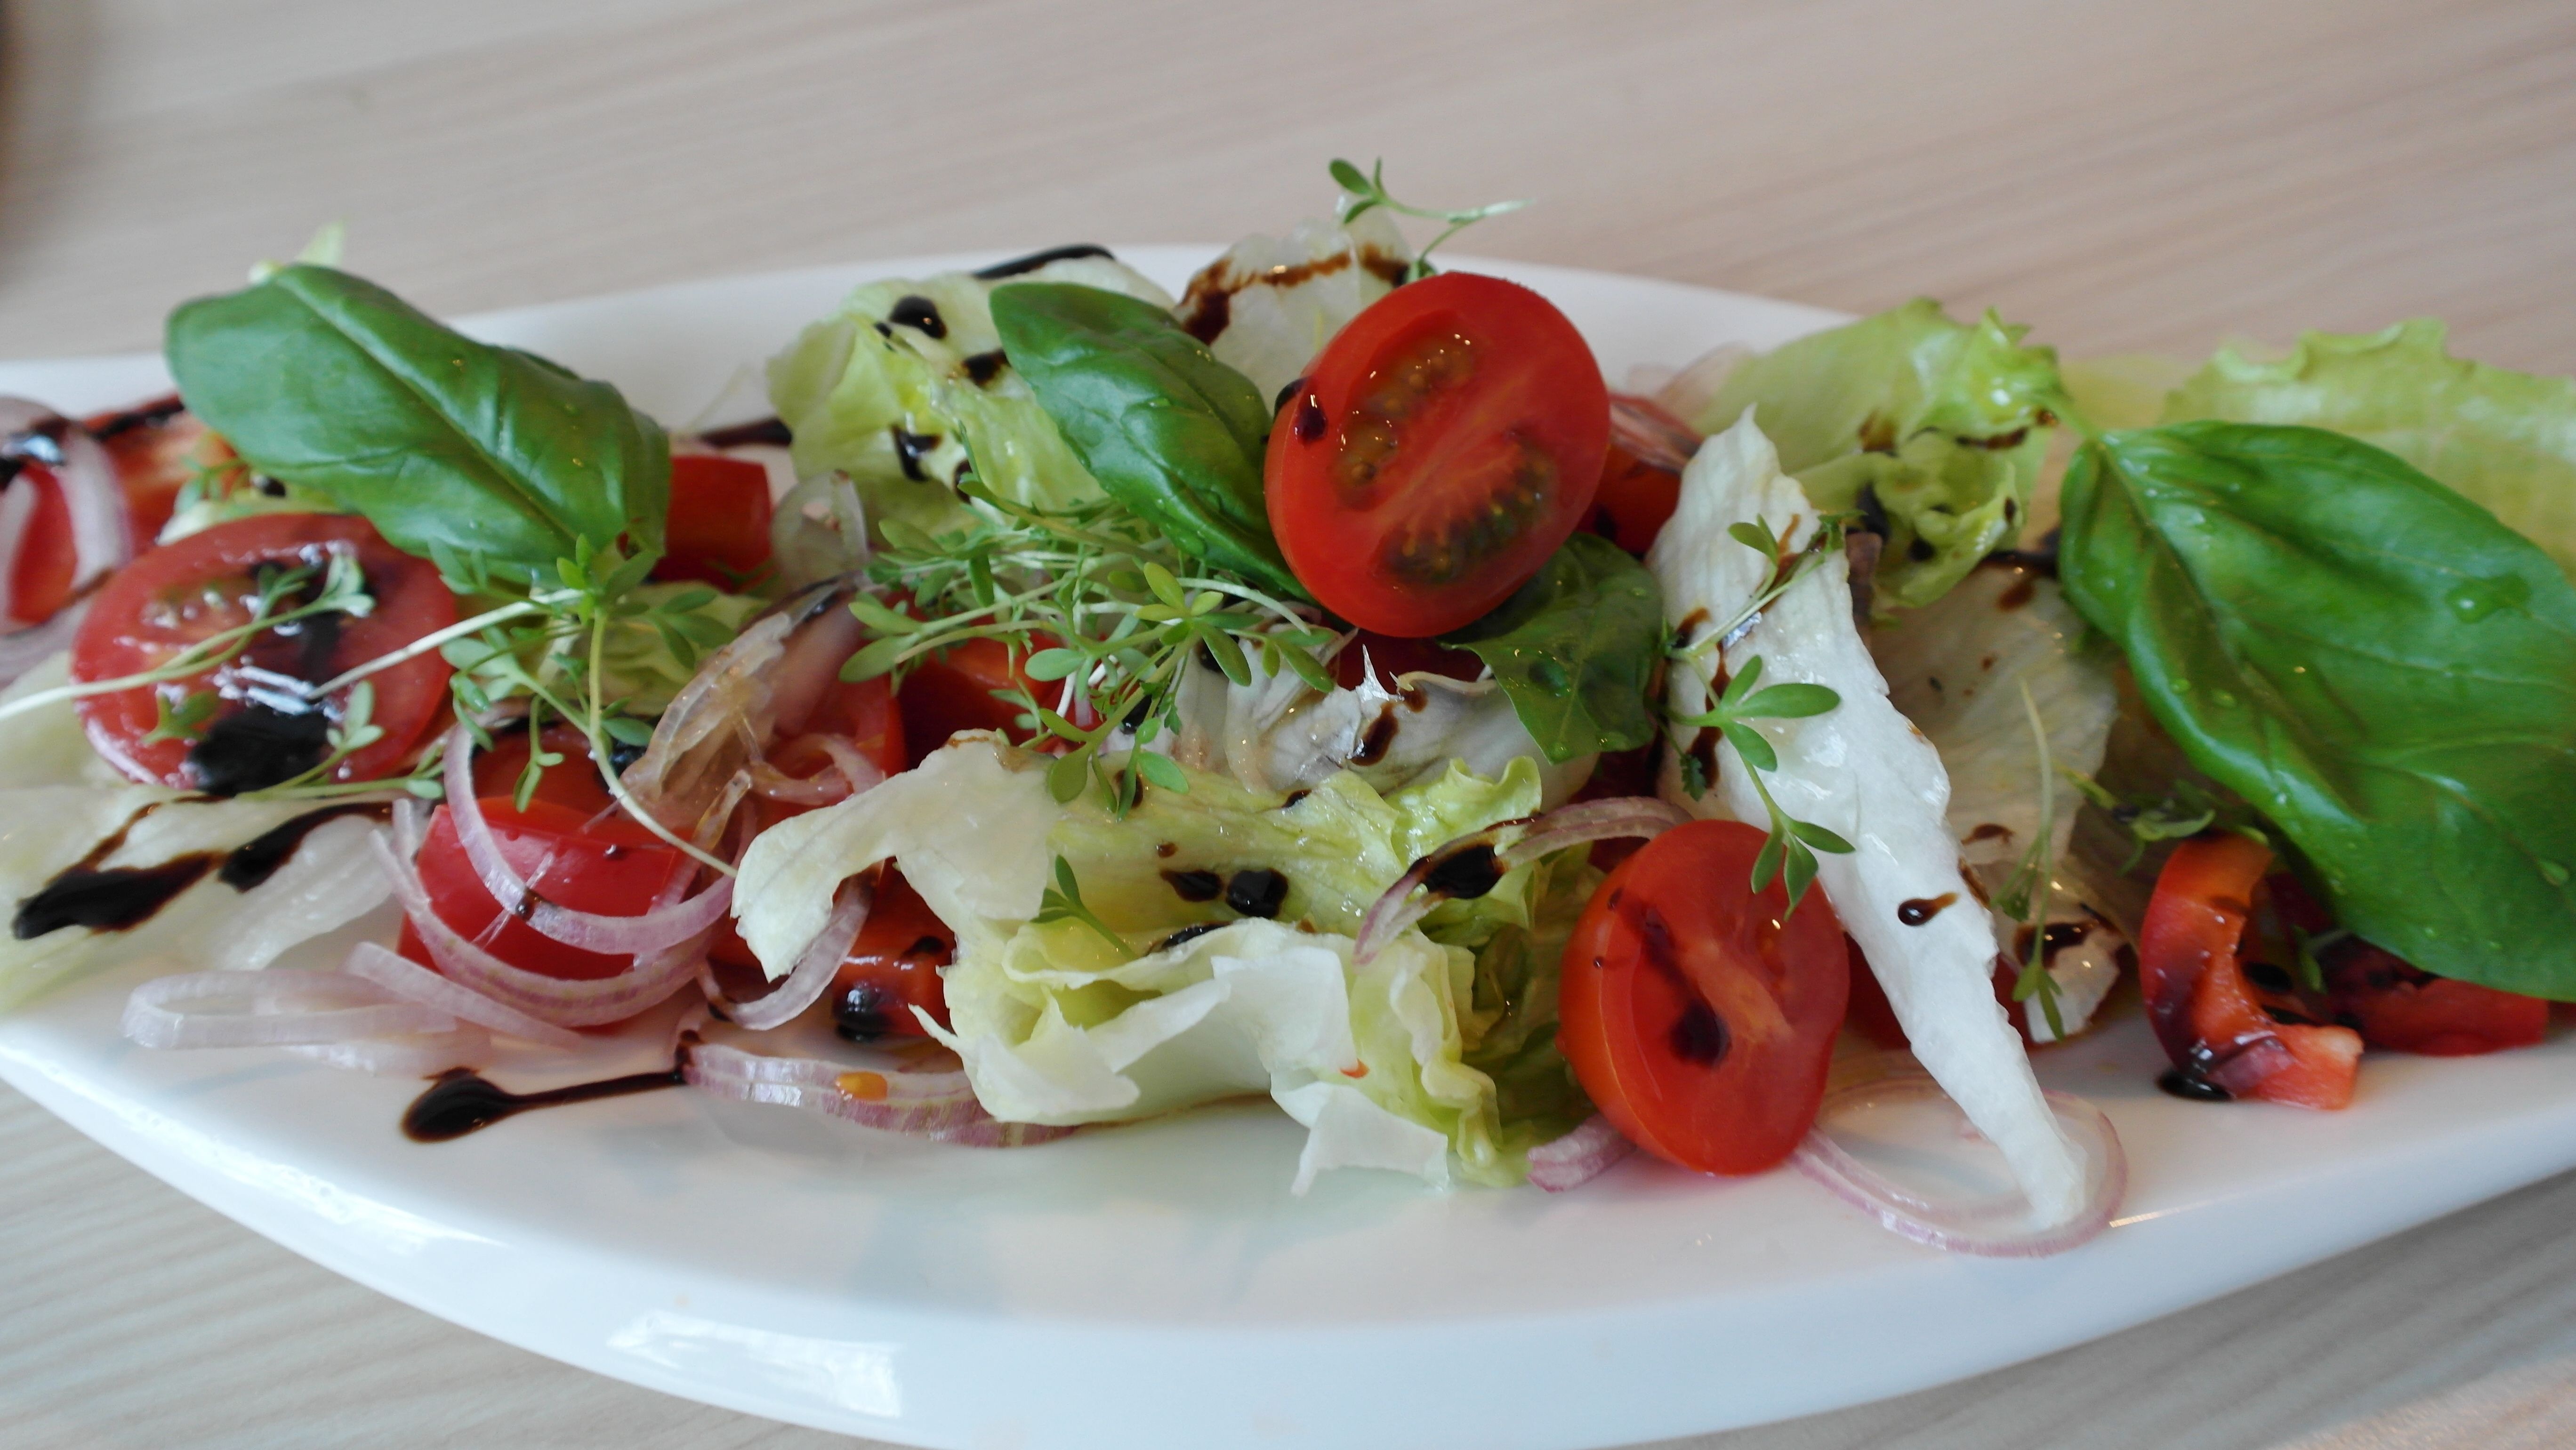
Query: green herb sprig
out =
(1092, 598)
(1063, 902)
(2028, 892)
(1365, 190)
(1790, 853)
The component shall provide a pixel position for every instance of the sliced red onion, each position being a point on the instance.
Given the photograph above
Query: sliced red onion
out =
(464, 1045)
(939, 1106)
(270, 1009)
(408, 979)
(1580, 824)
(815, 966)
(1579, 1156)
(1650, 434)
(653, 931)
(563, 1003)
(23, 649)
(1574, 825)
(1962, 1221)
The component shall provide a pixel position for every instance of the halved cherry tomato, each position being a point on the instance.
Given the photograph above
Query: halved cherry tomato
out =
(718, 528)
(2205, 1011)
(964, 687)
(1444, 445)
(575, 784)
(1698, 1015)
(40, 578)
(893, 967)
(262, 731)
(1641, 480)
(587, 860)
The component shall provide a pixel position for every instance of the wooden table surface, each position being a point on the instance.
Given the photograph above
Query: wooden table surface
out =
(2125, 178)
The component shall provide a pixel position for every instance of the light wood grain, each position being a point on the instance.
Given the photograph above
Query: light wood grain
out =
(2138, 177)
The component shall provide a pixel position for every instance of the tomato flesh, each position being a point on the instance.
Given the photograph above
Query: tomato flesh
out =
(585, 860)
(2205, 1011)
(1641, 479)
(893, 967)
(40, 578)
(963, 687)
(262, 731)
(1445, 443)
(717, 531)
(1698, 1015)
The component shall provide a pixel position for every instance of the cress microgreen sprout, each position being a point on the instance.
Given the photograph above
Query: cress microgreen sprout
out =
(1096, 602)
(2027, 893)
(1364, 190)
(1063, 902)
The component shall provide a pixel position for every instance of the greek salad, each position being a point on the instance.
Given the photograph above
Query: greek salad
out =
(1069, 704)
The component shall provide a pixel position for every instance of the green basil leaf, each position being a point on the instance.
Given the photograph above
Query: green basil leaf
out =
(2380, 667)
(1167, 430)
(454, 449)
(1574, 648)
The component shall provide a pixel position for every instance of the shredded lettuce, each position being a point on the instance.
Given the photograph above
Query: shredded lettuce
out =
(898, 406)
(1942, 424)
(1437, 1058)
(2505, 440)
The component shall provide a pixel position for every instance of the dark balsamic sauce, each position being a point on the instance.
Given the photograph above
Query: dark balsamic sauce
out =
(120, 898)
(1699, 1035)
(1258, 892)
(258, 746)
(460, 1100)
(2175, 1082)
(143, 415)
(920, 314)
(910, 449)
(1187, 934)
(1377, 740)
(1018, 266)
(1195, 885)
(983, 367)
(1921, 910)
(1464, 874)
(770, 431)
(1310, 422)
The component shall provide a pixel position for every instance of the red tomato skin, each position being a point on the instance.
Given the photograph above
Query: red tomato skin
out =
(2399, 1007)
(2203, 1008)
(893, 967)
(40, 579)
(159, 603)
(580, 859)
(1636, 499)
(1451, 408)
(1673, 939)
(718, 527)
(953, 690)
(156, 446)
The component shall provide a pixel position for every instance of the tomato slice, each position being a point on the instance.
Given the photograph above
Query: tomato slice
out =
(587, 860)
(40, 578)
(1641, 480)
(718, 527)
(893, 967)
(1698, 1015)
(2396, 1005)
(262, 731)
(1447, 441)
(964, 687)
(2205, 1011)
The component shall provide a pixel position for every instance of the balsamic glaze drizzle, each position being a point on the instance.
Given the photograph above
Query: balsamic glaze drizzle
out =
(120, 898)
(460, 1100)
(1034, 260)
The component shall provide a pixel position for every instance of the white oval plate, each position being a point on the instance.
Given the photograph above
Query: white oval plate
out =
(1155, 1286)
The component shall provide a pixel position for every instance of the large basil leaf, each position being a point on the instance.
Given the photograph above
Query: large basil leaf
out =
(1574, 648)
(454, 449)
(1942, 424)
(1167, 429)
(2374, 662)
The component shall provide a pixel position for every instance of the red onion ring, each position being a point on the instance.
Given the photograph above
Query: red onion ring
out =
(653, 931)
(815, 966)
(464, 1045)
(938, 1106)
(563, 1003)
(400, 975)
(1996, 1224)
(1579, 1156)
(1650, 434)
(1574, 825)
(283, 1008)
